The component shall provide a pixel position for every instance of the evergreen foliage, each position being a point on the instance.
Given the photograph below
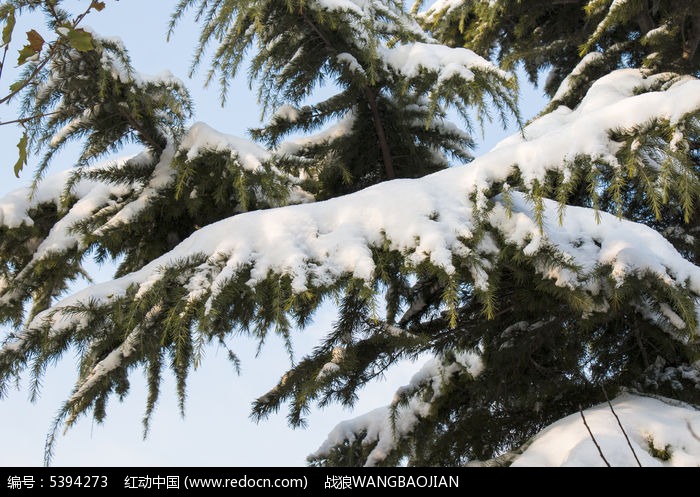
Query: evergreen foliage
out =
(580, 40)
(299, 46)
(552, 271)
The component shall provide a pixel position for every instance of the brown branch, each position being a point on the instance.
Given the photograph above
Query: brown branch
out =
(27, 119)
(640, 343)
(595, 442)
(4, 56)
(505, 459)
(326, 42)
(422, 296)
(34, 73)
(52, 10)
(139, 129)
(619, 423)
(371, 94)
(645, 22)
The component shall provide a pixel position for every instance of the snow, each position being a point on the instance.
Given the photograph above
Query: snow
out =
(350, 61)
(664, 29)
(339, 129)
(559, 137)
(337, 355)
(439, 8)
(565, 87)
(362, 10)
(672, 316)
(608, 19)
(91, 195)
(69, 128)
(356, 6)
(202, 137)
(163, 174)
(109, 363)
(664, 424)
(123, 202)
(410, 59)
(113, 359)
(113, 63)
(286, 112)
(14, 206)
(627, 247)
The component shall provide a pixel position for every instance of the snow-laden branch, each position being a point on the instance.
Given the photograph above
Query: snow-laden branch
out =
(372, 9)
(382, 428)
(412, 58)
(437, 9)
(127, 200)
(445, 222)
(71, 212)
(431, 219)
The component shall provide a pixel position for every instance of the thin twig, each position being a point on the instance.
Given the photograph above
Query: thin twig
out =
(27, 119)
(692, 432)
(620, 425)
(4, 56)
(595, 442)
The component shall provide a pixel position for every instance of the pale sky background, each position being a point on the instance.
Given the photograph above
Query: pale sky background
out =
(216, 430)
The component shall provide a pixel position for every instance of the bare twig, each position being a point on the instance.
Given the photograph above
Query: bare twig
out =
(4, 56)
(620, 425)
(595, 442)
(27, 119)
(35, 72)
(692, 432)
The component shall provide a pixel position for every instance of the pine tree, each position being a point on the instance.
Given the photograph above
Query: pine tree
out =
(545, 275)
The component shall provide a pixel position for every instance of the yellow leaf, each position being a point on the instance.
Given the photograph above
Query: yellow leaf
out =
(9, 27)
(22, 160)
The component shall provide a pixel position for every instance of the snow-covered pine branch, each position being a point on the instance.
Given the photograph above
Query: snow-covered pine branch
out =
(376, 434)
(262, 270)
(97, 97)
(554, 36)
(661, 430)
(138, 207)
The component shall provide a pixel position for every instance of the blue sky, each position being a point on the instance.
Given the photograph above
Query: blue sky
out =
(216, 430)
